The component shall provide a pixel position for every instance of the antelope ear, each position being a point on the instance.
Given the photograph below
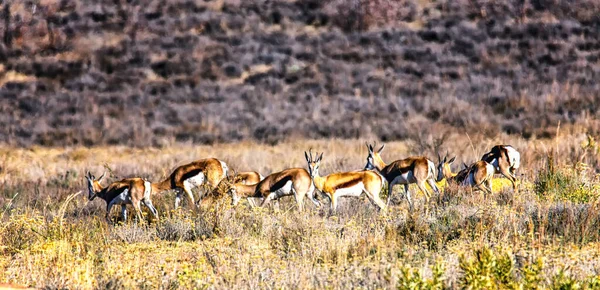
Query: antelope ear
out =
(381, 149)
(452, 160)
(306, 156)
(320, 157)
(445, 157)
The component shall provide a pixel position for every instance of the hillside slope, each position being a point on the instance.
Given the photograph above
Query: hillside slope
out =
(90, 72)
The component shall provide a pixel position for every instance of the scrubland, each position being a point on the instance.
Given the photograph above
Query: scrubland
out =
(546, 235)
(136, 88)
(149, 73)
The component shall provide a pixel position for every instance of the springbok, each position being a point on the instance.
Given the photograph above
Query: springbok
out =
(406, 171)
(204, 172)
(293, 181)
(478, 175)
(506, 160)
(245, 178)
(126, 191)
(340, 184)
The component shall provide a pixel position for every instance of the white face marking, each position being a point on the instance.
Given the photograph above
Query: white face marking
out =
(370, 165)
(355, 190)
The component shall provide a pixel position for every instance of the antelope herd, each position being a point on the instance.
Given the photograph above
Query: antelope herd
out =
(212, 174)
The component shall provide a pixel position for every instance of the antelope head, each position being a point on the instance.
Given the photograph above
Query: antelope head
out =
(373, 157)
(313, 163)
(443, 168)
(94, 186)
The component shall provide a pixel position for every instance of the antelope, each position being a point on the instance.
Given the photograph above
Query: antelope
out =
(417, 170)
(506, 160)
(183, 179)
(245, 178)
(293, 181)
(340, 184)
(477, 175)
(126, 191)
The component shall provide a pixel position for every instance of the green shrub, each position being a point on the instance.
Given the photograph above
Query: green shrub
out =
(487, 270)
(411, 278)
(564, 185)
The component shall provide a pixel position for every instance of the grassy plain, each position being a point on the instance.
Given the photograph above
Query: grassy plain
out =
(545, 236)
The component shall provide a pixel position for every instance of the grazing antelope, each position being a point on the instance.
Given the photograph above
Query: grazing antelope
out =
(406, 171)
(246, 178)
(340, 184)
(183, 179)
(478, 175)
(293, 181)
(506, 160)
(127, 191)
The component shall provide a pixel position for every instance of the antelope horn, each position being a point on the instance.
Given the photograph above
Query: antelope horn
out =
(101, 176)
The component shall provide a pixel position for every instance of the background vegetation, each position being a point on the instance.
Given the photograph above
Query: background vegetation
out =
(139, 87)
(154, 72)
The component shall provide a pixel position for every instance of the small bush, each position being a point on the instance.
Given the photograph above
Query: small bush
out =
(487, 270)
(564, 185)
(175, 230)
(411, 278)
(132, 233)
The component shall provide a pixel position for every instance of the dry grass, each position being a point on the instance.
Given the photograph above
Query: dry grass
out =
(508, 240)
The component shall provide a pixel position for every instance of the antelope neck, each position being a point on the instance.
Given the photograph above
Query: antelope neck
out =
(379, 163)
(246, 190)
(161, 186)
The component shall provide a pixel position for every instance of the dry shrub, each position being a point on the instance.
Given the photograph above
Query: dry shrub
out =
(359, 15)
(132, 233)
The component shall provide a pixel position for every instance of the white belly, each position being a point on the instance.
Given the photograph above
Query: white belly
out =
(286, 189)
(147, 189)
(355, 190)
(405, 178)
(122, 198)
(194, 181)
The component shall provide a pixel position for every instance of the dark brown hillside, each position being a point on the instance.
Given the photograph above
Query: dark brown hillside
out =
(145, 73)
